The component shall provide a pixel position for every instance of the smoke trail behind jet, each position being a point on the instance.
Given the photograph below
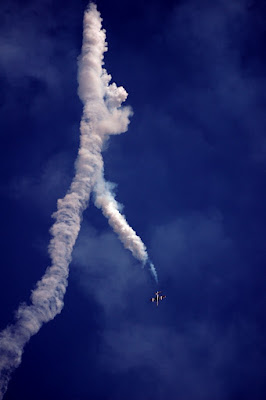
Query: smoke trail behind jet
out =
(104, 199)
(102, 116)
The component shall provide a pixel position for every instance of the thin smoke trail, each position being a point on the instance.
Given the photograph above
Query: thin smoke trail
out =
(102, 116)
(153, 271)
(104, 199)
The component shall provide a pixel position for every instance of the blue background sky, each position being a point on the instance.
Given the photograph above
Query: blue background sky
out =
(191, 174)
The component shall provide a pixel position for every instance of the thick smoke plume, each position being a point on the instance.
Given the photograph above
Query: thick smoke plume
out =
(102, 116)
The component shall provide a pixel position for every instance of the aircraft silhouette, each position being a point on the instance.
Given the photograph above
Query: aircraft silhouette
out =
(157, 297)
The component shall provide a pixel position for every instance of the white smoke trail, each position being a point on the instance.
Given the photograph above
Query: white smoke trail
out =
(153, 271)
(102, 116)
(105, 200)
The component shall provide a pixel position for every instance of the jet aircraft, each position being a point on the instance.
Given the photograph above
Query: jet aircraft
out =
(157, 297)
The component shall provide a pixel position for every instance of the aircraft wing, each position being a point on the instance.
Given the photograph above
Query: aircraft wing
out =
(153, 299)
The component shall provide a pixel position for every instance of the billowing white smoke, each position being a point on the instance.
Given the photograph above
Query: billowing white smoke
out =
(102, 116)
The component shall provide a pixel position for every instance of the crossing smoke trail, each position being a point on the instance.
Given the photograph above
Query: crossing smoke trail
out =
(102, 116)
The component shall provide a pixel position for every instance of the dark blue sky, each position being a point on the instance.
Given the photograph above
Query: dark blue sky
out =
(191, 175)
